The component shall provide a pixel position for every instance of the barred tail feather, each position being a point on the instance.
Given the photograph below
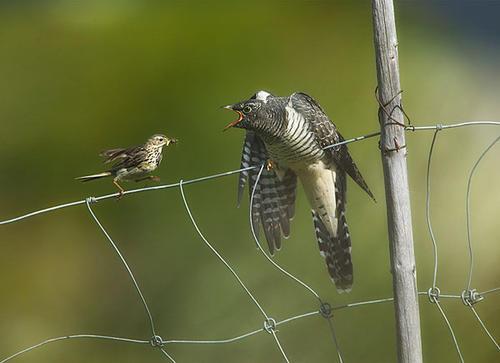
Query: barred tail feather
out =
(87, 178)
(337, 254)
(335, 246)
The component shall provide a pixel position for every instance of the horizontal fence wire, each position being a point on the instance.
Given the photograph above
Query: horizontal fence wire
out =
(469, 296)
(227, 173)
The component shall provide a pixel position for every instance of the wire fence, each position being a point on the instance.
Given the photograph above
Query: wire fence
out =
(468, 296)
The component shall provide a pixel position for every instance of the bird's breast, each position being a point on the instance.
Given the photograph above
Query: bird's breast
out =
(296, 146)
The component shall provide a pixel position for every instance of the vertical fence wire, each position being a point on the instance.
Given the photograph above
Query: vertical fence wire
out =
(428, 209)
(448, 324)
(125, 264)
(281, 269)
(434, 290)
(217, 254)
(334, 338)
(470, 302)
(467, 214)
(271, 329)
(259, 246)
(484, 326)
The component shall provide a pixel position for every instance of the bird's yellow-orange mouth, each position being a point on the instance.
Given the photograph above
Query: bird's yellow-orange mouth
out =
(235, 122)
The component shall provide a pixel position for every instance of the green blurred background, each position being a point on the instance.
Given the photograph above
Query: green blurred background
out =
(81, 76)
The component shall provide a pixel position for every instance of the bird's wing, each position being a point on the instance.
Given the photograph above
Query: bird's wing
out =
(129, 158)
(327, 134)
(112, 155)
(274, 199)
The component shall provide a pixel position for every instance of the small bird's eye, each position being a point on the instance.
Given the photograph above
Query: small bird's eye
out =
(247, 109)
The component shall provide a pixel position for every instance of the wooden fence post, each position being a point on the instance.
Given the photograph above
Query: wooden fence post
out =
(393, 148)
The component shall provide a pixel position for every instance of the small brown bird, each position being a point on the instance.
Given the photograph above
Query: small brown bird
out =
(133, 163)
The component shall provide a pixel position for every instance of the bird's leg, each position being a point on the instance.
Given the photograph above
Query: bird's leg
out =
(120, 195)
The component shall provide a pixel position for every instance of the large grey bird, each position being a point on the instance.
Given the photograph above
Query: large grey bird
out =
(290, 134)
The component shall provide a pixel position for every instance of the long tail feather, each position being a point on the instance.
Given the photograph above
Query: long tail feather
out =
(87, 178)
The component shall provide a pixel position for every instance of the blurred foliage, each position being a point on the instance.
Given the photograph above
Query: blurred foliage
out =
(78, 77)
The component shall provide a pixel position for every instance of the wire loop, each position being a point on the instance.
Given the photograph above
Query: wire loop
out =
(91, 200)
(156, 341)
(270, 325)
(326, 311)
(471, 297)
(433, 294)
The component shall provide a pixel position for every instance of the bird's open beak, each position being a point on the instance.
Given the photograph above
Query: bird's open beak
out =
(235, 122)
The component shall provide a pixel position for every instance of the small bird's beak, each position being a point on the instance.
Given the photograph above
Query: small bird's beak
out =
(235, 122)
(172, 141)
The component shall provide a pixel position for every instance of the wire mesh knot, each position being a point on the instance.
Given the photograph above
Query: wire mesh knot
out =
(433, 294)
(91, 200)
(270, 325)
(156, 341)
(439, 127)
(325, 309)
(471, 297)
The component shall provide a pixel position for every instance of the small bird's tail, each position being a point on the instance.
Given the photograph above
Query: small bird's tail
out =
(87, 178)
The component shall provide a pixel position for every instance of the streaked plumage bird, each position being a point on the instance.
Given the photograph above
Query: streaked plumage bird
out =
(290, 134)
(133, 163)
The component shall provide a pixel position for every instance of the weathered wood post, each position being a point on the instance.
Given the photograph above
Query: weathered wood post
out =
(393, 148)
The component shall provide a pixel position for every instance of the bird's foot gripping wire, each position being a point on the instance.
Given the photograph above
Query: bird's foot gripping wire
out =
(270, 165)
(121, 190)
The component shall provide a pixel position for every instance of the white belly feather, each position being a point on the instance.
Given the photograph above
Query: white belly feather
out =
(319, 185)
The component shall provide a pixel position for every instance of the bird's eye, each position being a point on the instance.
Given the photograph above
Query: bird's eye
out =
(247, 109)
